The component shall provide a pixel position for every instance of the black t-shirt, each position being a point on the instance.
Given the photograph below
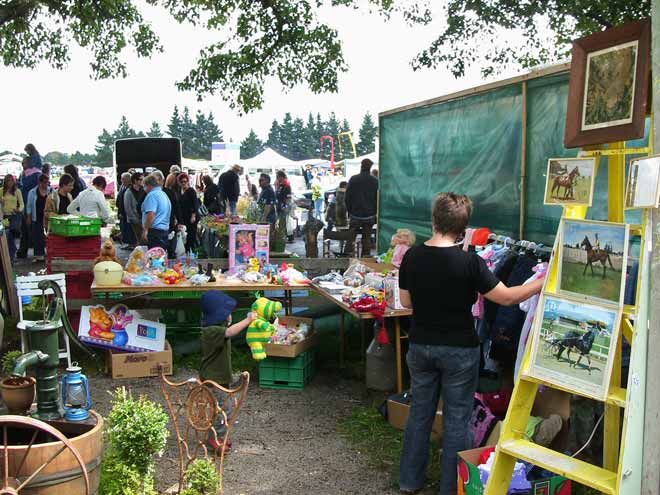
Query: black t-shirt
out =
(443, 283)
(64, 203)
(41, 206)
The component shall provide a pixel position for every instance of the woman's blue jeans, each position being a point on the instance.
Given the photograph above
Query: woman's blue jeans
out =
(435, 371)
(318, 206)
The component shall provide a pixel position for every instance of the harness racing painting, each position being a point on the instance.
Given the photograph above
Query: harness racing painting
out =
(570, 181)
(574, 345)
(593, 259)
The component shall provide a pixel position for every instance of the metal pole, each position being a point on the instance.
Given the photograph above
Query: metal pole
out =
(651, 455)
(523, 163)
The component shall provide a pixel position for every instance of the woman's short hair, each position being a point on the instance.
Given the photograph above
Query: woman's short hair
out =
(65, 180)
(72, 170)
(451, 213)
(207, 180)
(280, 174)
(181, 177)
(99, 181)
(170, 182)
(137, 176)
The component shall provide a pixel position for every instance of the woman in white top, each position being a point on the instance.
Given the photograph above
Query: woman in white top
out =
(91, 202)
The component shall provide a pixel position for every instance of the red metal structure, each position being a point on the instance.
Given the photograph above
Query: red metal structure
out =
(332, 150)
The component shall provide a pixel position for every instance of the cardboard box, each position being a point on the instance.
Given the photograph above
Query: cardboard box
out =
(397, 415)
(140, 364)
(120, 328)
(469, 479)
(291, 351)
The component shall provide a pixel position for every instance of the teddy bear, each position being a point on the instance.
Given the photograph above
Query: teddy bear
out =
(261, 329)
(108, 252)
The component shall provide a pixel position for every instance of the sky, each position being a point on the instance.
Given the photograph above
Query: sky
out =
(67, 110)
(579, 311)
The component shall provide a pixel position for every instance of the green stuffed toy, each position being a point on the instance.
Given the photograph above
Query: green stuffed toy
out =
(261, 329)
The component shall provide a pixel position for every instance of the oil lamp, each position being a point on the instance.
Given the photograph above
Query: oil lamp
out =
(75, 394)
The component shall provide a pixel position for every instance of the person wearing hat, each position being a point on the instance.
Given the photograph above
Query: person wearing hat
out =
(216, 335)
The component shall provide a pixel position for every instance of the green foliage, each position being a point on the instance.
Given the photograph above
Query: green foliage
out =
(137, 431)
(202, 478)
(474, 30)
(259, 40)
(9, 361)
(367, 135)
(155, 131)
(77, 158)
(119, 478)
(251, 146)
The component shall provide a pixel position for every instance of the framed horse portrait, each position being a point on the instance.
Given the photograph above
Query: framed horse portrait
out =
(574, 345)
(570, 181)
(643, 186)
(608, 89)
(593, 260)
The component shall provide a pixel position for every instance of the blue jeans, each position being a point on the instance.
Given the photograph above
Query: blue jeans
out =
(435, 370)
(157, 238)
(38, 238)
(127, 235)
(232, 207)
(318, 205)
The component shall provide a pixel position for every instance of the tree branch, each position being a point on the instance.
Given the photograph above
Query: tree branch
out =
(16, 9)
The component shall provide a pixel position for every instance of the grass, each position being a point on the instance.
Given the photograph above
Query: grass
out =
(368, 432)
(573, 280)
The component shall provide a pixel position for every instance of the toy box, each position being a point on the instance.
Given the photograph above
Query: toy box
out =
(291, 351)
(392, 294)
(469, 480)
(140, 364)
(120, 329)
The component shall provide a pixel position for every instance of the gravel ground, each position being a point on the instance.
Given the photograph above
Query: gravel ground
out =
(284, 441)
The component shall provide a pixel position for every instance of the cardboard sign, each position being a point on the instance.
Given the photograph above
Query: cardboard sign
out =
(120, 329)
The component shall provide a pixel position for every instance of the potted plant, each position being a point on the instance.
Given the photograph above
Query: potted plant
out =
(17, 391)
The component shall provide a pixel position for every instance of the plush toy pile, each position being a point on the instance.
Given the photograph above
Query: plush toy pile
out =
(255, 272)
(150, 267)
(289, 335)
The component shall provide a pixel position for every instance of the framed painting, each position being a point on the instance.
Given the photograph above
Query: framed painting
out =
(593, 260)
(574, 345)
(248, 241)
(643, 186)
(570, 181)
(608, 90)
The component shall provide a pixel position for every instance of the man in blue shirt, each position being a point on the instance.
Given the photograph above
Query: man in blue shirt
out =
(267, 200)
(156, 211)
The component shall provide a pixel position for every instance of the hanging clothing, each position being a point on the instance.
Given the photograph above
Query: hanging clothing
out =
(529, 307)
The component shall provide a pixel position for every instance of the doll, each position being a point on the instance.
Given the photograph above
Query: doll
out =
(401, 242)
(261, 329)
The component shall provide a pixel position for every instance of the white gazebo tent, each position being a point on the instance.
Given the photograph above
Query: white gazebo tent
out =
(352, 165)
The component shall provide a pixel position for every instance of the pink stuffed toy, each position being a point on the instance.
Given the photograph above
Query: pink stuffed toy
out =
(401, 241)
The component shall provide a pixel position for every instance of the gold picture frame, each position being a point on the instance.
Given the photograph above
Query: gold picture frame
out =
(570, 181)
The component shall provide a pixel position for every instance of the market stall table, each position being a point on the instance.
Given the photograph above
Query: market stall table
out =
(104, 291)
(389, 313)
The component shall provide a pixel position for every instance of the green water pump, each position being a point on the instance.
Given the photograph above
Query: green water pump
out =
(43, 343)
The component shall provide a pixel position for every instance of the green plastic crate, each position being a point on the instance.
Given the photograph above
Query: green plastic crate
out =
(74, 226)
(287, 373)
(184, 294)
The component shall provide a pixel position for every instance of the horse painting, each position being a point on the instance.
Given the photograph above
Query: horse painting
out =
(595, 255)
(574, 341)
(567, 182)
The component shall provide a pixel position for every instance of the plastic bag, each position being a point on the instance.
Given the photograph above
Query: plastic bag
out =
(137, 260)
(180, 249)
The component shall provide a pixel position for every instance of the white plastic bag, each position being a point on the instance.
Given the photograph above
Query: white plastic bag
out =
(180, 249)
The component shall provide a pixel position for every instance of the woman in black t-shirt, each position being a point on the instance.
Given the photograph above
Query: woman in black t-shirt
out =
(189, 206)
(440, 282)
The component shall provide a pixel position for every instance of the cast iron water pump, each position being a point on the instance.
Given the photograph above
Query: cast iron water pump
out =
(43, 343)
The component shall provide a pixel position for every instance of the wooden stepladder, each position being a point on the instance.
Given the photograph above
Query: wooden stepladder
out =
(621, 471)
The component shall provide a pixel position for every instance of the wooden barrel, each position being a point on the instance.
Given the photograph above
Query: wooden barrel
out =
(63, 475)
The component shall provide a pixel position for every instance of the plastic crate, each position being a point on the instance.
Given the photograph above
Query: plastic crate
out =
(287, 373)
(75, 226)
(78, 284)
(184, 294)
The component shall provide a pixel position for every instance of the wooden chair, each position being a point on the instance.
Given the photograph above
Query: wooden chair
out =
(29, 286)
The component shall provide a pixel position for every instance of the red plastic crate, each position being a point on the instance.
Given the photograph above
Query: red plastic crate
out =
(78, 284)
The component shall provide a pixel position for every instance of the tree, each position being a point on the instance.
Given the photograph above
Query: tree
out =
(473, 32)
(125, 130)
(311, 138)
(286, 135)
(297, 143)
(251, 146)
(186, 133)
(155, 131)
(368, 133)
(174, 127)
(274, 138)
(257, 40)
(104, 149)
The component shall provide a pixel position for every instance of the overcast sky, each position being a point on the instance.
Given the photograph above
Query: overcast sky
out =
(66, 110)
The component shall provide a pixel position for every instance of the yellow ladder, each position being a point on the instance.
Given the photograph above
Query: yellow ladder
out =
(621, 473)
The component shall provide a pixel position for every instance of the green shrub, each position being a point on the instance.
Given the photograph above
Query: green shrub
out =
(202, 478)
(137, 430)
(136, 433)
(9, 361)
(118, 478)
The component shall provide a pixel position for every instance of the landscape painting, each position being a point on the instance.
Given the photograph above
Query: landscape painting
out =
(570, 181)
(592, 261)
(610, 86)
(574, 344)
